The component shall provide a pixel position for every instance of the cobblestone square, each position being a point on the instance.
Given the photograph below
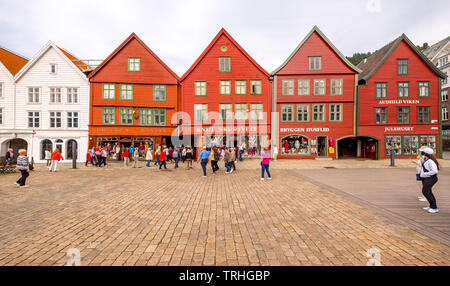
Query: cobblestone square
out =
(144, 216)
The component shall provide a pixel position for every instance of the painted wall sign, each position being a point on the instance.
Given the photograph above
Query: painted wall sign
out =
(397, 129)
(262, 129)
(310, 129)
(399, 101)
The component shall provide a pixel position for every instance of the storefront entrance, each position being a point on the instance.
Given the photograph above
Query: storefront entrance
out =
(322, 148)
(358, 147)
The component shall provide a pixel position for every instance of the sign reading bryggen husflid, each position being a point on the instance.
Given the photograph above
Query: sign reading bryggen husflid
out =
(399, 100)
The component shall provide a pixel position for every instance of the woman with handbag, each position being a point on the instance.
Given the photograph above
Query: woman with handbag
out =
(428, 174)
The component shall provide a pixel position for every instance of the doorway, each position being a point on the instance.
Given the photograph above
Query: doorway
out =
(322, 146)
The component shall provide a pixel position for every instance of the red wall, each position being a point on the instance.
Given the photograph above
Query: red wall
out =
(418, 71)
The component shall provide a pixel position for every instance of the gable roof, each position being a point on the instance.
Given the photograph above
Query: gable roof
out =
(80, 64)
(48, 46)
(124, 43)
(434, 50)
(316, 29)
(12, 61)
(213, 42)
(376, 60)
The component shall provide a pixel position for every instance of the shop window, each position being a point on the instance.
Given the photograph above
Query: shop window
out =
(287, 111)
(381, 89)
(403, 115)
(303, 87)
(287, 87)
(410, 145)
(381, 115)
(429, 141)
(423, 114)
(393, 142)
(295, 145)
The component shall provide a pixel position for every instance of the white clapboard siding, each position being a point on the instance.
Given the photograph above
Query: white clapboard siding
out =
(6, 99)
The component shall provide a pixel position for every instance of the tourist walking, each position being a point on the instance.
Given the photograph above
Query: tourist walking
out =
(265, 155)
(126, 157)
(56, 157)
(189, 157)
(428, 174)
(149, 157)
(175, 156)
(183, 154)
(226, 159)
(162, 160)
(204, 158)
(158, 155)
(48, 156)
(136, 157)
(23, 165)
(103, 156)
(232, 160)
(98, 155)
(214, 159)
(418, 162)
(88, 158)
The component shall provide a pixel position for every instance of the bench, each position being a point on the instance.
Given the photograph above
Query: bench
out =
(6, 168)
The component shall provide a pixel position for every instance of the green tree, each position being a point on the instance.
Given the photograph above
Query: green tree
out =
(358, 57)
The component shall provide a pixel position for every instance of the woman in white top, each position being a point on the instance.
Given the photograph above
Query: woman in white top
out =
(48, 157)
(418, 162)
(428, 175)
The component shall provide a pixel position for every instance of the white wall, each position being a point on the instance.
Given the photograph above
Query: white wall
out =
(6, 98)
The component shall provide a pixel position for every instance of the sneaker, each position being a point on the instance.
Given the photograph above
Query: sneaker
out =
(231, 171)
(203, 176)
(426, 208)
(262, 179)
(24, 186)
(422, 199)
(17, 184)
(226, 172)
(433, 211)
(270, 178)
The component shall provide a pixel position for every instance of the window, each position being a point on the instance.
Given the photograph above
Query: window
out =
(241, 110)
(72, 95)
(109, 115)
(201, 112)
(126, 92)
(403, 89)
(315, 63)
(394, 141)
(241, 87)
(444, 113)
(255, 87)
(72, 119)
(225, 87)
(336, 87)
(134, 64)
(126, 115)
(445, 80)
(33, 94)
(33, 119)
(1, 116)
(381, 90)
(318, 112)
(303, 112)
(109, 91)
(224, 65)
(287, 112)
(381, 115)
(256, 112)
(403, 115)
(159, 117)
(55, 119)
(295, 145)
(288, 86)
(336, 112)
(429, 141)
(444, 95)
(303, 87)
(424, 88)
(55, 95)
(443, 61)
(402, 67)
(410, 145)
(226, 111)
(200, 88)
(159, 93)
(145, 116)
(423, 114)
(319, 87)
(52, 68)
(1, 89)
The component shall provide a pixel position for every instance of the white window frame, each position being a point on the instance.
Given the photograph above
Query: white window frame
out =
(444, 95)
(337, 84)
(34, 94)
(2, 87)
(318, 87)
(444, 113)
(50, 68)
(241, 87)
(287, 87)
(225, 87)
(56, 91)
(34, 112)
(203, 112)
(72, 93)
(304, 88)
(55, 117)
(72, 119)
(1, 116)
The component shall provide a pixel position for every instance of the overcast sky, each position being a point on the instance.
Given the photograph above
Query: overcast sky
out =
(178, 31)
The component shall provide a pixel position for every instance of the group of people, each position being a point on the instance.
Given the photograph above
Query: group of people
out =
(427, 169)
(97, 156)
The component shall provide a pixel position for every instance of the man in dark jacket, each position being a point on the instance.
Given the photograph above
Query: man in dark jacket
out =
(9, 157)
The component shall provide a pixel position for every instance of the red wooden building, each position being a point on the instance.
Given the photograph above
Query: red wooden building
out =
(226, 97)
(399, 101)
(133, 95)
(315, 91)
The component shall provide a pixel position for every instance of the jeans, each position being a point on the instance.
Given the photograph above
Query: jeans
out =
(176, 162)
(148, 163)
(161, 163)
(427, 186)
(240, 156)
(204, 162)
(265, 167)
(22, 179)
(227, 165)
(214, 166)
(157, 162)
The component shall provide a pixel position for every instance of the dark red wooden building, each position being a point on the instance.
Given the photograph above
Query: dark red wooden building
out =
(315, 91)
(399, 101)
(226, 98)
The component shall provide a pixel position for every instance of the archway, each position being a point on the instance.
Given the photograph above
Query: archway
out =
(59, 145)
(16, 144)
(362, 147)
(46, 144)
(69, 149)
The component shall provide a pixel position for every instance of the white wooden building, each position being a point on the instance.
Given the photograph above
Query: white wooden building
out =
(52, 104)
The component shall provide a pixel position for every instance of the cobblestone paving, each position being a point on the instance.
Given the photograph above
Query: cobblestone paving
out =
(125, 216)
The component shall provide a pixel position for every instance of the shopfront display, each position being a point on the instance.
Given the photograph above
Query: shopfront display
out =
(408, 145)
(295, 145)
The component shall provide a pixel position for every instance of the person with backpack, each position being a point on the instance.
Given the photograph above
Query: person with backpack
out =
(23, 165)
(56, 157)
(428, 175)
(265, 155)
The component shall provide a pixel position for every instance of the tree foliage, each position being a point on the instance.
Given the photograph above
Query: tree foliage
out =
(358, 57)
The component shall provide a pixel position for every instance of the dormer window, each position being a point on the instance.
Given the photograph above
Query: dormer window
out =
(315, 63)
(53, 68)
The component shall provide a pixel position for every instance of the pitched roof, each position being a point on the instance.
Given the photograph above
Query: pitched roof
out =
(12, 61)
(119, 48)
(376, 60)
(80, 64)
(209, 47)
(433, 50)
(330, 44)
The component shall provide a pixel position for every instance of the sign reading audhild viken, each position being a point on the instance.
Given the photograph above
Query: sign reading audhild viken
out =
(399, 101)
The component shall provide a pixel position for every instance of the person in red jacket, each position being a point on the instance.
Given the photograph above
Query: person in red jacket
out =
(56, 156)
(162, 160)
(126, 157)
